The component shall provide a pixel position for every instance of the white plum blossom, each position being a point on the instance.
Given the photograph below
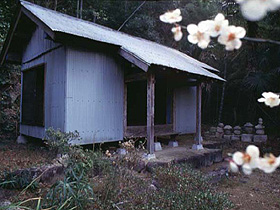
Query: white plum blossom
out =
(255, 10)
(269, 163)
(233, 167)
(230, 37)
(171, 16)
(217, 25)
(270, 99)
(248, 160)
(199, 34)
(178, 34)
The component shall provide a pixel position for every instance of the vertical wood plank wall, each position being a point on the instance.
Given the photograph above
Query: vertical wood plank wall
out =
(94, 96)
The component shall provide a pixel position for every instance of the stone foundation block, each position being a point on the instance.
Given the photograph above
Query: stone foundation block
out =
(173, 144)
(158, 146)
(236, 137)
(197, 147)
(260, 138)
(21, 139)
(227, 137)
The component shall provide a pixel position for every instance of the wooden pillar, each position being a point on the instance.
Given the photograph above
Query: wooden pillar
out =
(198, 137)
(151, 112)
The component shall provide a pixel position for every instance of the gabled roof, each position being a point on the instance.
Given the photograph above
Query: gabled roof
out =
(147, 52)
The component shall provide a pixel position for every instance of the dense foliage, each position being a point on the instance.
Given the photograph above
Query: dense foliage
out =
(249, 71)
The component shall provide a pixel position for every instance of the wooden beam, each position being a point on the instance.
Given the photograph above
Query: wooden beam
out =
(198, 137)
(135, 77)
(151, 113)
(38, 22)
(134, 59)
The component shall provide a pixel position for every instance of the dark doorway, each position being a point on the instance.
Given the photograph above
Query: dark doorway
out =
(137, 103)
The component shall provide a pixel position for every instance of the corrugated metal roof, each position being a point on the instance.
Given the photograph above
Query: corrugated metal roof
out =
(148, 51)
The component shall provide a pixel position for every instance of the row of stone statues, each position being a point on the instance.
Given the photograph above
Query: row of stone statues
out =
(249, 133)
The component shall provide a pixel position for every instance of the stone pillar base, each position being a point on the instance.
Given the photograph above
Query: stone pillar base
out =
(197, 147)
(173, 144)
(158, 146)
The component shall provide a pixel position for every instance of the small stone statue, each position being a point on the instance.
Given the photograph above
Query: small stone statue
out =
(220, 131)
(248, 128)
(260, 128)
(213, 131)
(236, 133)
(248, 136)
(260, 137)
(228, 132)
(237, 130)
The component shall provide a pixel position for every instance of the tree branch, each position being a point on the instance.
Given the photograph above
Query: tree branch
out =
(261, 40)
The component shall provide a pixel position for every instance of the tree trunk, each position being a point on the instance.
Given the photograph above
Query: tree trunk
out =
(81, 9)
(55, 5)
(223, 92)
(78, 6)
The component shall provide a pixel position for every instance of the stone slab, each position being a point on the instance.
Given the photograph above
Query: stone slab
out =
(214, 144)
(260, 138)
(178, 155)
(247, 137)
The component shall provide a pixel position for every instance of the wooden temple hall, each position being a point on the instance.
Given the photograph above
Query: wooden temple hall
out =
(107, 85)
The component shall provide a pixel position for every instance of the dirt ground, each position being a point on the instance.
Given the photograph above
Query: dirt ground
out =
(258, 191)
(15, 156)
(255, 192)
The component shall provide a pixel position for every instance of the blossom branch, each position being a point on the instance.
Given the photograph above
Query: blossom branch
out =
(261, 40)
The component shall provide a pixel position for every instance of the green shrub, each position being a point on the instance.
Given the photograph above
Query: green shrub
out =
(75, 190)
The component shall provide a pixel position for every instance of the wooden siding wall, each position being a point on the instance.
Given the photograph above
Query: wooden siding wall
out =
(94, 96)
(185, 113)
(55, 70)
